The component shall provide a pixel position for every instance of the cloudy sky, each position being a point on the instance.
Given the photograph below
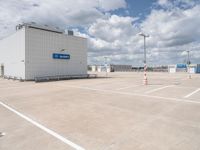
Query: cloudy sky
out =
(112, 26)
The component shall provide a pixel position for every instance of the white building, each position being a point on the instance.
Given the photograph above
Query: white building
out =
(172, 68)
(93, 68)
(192, 68)
(101, 68)
(111, 68)
(177, 68)
(121, 68)
(40, 51)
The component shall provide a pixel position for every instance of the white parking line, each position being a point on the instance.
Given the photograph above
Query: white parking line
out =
(192, 93)
(161, 88)
(15, 87)
(134, 94)
(127, 87)
(49, 131)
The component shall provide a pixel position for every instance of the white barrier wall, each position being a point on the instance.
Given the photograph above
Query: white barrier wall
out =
(172, 68)
(40, 46)
(28, 54)
(12, 55)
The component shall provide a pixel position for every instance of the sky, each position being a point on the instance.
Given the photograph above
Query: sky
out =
(112, 27)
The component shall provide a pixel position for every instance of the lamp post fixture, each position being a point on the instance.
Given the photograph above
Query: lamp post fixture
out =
(145, 81)
(106, 65)
(188, 64)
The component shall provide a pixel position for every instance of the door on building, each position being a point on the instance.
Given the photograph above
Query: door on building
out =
(2, 70)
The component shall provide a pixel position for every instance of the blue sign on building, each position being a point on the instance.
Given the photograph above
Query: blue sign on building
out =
(181, 66)
(60, 56)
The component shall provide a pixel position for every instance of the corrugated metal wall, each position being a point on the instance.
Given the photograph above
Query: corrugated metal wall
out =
(12, 55)
(40, 45)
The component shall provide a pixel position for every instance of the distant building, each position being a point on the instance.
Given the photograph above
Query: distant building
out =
(102, 68)
(111, 68)
(192, 68)
(121, 68)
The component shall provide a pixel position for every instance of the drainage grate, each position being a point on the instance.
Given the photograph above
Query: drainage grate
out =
(2, 134)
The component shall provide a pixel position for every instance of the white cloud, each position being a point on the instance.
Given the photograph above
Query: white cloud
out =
(62, 13)
(174, 31)
(162, 2)
(113, 28)
(115, 37)
(171, 32)
(170, 4)
(111, 4)
(173, 27)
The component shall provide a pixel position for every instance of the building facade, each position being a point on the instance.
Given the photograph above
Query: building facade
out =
(111, 68)
(192, 68)
(40, 51)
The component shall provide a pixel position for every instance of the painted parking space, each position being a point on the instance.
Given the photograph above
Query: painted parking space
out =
(193, 95)
(20, 134)
(173, 91)
(97, 114)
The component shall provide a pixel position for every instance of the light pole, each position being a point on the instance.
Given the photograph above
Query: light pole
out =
(188, 64)
(106, 65)
(145, 82)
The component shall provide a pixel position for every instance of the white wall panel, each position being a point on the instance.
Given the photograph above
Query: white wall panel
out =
(12, 54)
(40, 45)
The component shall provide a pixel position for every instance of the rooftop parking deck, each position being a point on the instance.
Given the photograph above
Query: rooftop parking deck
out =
(113, 113)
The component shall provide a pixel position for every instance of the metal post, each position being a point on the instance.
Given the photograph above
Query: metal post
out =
(145, 81)
(145, 58)
(188, 64)
(106, 65)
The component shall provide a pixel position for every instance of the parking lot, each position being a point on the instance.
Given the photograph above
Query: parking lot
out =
(116, 112)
